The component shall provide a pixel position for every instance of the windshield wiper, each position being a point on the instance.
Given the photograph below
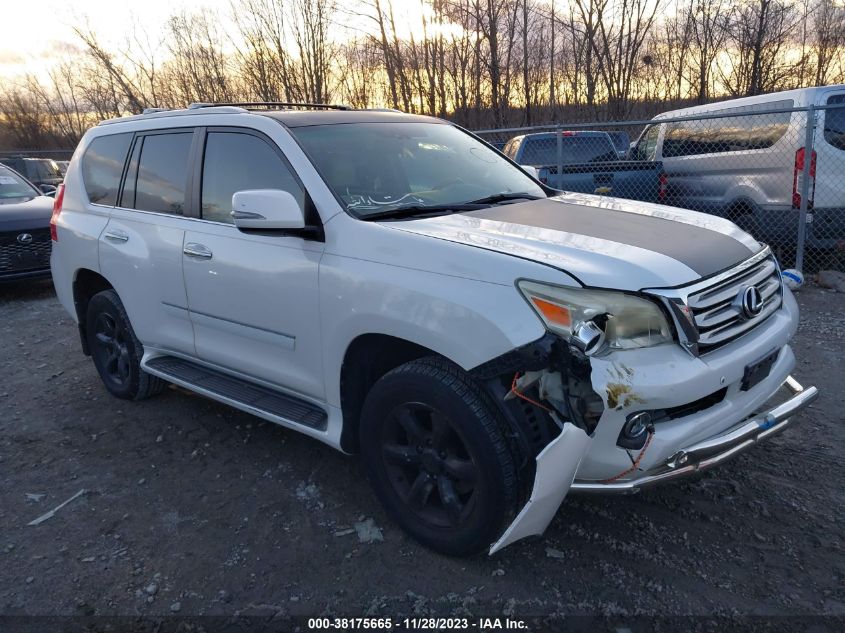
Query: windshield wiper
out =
(505, 196)
(421, 210)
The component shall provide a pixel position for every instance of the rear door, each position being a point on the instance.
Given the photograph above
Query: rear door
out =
(253, 297)
(141, 246)
(828, 226)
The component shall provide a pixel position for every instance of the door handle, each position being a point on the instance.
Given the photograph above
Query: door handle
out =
(192, 249)
(116, 235)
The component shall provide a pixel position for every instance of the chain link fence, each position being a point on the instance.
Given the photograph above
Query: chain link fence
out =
(775, 170)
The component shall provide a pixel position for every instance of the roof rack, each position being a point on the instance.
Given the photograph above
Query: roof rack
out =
(272, 104)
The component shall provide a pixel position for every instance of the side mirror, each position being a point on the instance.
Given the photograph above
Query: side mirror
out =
(266, 209)
(531, 171)
(48, 190)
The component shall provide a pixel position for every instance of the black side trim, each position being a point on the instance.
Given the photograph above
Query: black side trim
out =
(247, 393)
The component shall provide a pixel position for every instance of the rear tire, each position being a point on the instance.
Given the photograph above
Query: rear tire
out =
(116, 350)
(437, 457)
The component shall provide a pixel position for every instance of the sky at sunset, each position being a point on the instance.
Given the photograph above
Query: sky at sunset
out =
(34, 34)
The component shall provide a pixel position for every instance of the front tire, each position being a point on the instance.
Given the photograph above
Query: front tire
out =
(437, 456)
(116, 350)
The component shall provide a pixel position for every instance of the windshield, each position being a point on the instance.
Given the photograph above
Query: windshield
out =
(13, 186)
(377, 167)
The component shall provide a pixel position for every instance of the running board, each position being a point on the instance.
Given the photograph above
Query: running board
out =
(237, 392)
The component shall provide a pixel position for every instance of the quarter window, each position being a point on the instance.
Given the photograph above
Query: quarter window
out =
(834, 122)
(158, 179)
(102, 166)
(237, 162)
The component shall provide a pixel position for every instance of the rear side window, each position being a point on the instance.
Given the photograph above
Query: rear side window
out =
(731, 133)
(158, 176)
(236, 162)
(102, 166)
(834, 122)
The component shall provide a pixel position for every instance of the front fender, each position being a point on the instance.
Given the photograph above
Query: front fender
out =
(467, 321)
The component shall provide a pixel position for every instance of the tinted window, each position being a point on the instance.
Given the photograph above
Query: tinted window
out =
(574, 148)
(162, 173)
(47, 169)
(834, 122)
(621, 140)
(13, 186)
(102, 166)
(729, 134)
(237, 162)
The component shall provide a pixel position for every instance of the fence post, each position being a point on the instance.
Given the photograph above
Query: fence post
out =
(559, 139)
(809, 140)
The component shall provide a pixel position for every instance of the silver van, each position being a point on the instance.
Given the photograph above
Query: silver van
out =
(743, 159)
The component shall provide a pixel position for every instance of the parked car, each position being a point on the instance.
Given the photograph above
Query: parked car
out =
(589, 163)
(44, 173)
(747, 167)
(24, 228)
(390, 285)
(63, 165)
(622, 143)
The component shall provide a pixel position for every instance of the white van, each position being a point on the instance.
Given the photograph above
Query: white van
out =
(747, 166)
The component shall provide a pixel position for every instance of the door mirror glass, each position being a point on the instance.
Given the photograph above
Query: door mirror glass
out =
(48, 190)
(266, 209)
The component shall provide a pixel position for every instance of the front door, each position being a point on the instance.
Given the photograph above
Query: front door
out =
(252, 298)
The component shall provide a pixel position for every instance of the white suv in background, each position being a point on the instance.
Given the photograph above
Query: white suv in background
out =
(391, 285)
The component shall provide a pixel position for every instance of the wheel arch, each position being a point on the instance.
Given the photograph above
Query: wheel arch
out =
(86, 284)
(367, 358)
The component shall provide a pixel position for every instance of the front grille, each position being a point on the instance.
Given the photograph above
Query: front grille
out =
(719, 318)
(21, 257)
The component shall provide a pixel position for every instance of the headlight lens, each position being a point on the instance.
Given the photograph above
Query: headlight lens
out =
(631, 321)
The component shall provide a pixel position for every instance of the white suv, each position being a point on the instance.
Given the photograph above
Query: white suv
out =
(390, 284)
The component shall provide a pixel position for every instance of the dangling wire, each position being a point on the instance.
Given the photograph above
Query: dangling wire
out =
(519, 394)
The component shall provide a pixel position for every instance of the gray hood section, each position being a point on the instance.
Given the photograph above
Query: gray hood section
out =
(604, 242)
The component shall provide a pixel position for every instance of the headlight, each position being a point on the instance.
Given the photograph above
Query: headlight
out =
(628, 321)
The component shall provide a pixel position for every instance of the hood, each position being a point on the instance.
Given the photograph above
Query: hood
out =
(21, 213)
(603, 242)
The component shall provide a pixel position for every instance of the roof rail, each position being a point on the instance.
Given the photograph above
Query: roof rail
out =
(272, 104)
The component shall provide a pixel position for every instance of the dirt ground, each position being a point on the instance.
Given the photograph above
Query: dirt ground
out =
(191, 507)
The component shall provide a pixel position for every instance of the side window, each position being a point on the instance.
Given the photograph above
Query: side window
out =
(731, 133)
(102, 165)
(646, 148)
(236, 162)
(157, 179)
(834, 122)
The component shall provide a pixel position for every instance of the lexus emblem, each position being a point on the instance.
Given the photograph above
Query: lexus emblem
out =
(24, 238)
(750, 301)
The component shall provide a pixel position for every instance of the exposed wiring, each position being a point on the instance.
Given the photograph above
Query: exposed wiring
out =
(521, 395)
(637, 461)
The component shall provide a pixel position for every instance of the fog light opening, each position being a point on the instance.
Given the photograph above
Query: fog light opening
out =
(635, 430)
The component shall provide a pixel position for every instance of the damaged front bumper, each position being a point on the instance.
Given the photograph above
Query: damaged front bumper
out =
(714, 451)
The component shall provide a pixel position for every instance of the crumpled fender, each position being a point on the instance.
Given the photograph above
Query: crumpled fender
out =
(557, 464)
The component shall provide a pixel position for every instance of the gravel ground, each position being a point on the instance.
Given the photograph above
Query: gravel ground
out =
(191, 507)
